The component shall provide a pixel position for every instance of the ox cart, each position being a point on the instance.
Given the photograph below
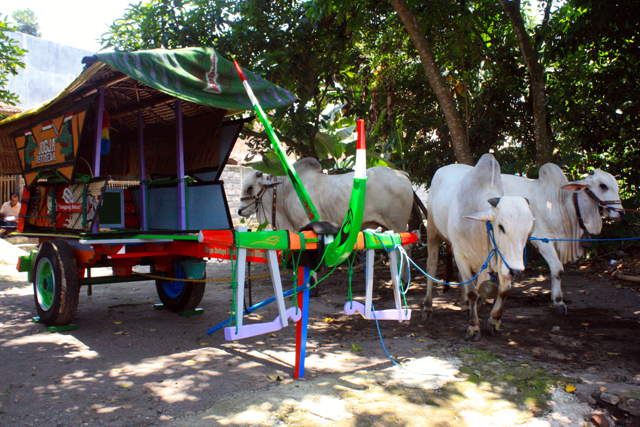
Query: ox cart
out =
(163, 118)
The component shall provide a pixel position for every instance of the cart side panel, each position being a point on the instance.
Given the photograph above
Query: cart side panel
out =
(207, 207)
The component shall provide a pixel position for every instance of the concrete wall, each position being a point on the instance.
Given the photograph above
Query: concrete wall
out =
(50, 67)
(233, 176)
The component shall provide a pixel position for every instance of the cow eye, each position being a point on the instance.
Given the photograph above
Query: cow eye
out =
(250, 189)
(501, 228)
(604, 187)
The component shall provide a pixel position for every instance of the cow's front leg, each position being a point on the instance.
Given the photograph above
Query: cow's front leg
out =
(495, 319)
(550, 255)
(469, 291)
(473, 331)
(465, 302)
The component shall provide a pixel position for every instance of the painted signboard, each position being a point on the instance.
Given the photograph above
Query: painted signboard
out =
(51, 145)
(64, 206)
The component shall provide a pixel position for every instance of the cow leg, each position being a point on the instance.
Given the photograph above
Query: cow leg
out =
(469, 290)
(494, 321)
(550, 255)
(433, 247)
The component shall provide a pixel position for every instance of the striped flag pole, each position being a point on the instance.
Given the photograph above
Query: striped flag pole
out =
(340, 249)
(307, 204)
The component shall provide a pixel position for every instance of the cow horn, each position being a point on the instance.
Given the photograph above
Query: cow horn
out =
(494, 201)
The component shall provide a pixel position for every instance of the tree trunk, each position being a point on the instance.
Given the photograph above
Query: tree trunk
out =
(536, 72)
(443, 93)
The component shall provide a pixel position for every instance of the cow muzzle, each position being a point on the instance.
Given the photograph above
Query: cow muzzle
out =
(515, 274)
(614, 214)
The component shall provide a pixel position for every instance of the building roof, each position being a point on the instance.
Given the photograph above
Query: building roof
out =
(10, 110)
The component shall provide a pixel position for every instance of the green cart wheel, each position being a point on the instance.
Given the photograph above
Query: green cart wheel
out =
(177, 295)
(55, 287)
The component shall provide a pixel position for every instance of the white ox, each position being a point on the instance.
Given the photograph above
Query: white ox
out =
(460, 202)
(388, 203)
(556, 204)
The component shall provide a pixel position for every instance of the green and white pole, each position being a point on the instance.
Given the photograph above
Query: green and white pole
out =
(307, 204)
(340, 249)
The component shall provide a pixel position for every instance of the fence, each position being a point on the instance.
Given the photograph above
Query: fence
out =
(112, 185)
(8, 186)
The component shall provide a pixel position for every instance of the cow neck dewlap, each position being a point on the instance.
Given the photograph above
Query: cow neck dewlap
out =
(572, 250)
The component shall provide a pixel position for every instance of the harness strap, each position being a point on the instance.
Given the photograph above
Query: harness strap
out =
(602, 203)
(585, 236)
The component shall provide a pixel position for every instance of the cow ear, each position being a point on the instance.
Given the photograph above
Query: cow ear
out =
(494, 201)
(528, 202)
(575, 187)
(482, 215)
(259, 174)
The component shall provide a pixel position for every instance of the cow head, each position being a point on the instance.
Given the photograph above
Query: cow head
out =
(253, 188)
(512, 223)
(597, 192)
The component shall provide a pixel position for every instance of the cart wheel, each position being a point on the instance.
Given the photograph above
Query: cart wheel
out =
(55, 286)
(179, 295)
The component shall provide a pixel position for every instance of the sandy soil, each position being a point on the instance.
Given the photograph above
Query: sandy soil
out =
(131, 365)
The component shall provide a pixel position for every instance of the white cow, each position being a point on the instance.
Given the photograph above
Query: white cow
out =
(388, 203)
(558, 205)
(461, 200)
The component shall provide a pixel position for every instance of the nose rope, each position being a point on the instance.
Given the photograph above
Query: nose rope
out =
(489, 231)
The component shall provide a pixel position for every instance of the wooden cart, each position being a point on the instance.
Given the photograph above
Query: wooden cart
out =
(161, 117)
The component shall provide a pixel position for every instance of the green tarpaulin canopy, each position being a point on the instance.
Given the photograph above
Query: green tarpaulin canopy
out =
(198, 75)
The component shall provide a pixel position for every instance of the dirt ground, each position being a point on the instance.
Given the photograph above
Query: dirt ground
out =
(129, 364)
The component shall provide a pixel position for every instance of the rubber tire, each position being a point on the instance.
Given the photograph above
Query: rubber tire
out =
(55, 283)
(180, 296)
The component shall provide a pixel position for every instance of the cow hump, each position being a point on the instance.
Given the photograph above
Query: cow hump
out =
(551, 174)
(307, 164)
(486, 173)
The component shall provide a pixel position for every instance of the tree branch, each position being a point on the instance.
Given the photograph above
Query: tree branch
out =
(304, 151)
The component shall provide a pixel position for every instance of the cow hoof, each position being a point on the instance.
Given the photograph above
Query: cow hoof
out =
(473, 335)
(427, 314)
(560, 309)
(493, 329)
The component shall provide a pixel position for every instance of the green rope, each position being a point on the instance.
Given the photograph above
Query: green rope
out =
(316, 269)
(295, 263)
(234, 287)
(350, 263)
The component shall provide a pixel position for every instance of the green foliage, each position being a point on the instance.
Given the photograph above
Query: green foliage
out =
(347, 60)
(26, 22)
(10, 63)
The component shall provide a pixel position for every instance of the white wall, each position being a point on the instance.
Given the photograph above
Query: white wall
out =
(50, 67)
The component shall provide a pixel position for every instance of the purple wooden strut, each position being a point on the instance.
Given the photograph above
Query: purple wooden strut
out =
(392, 314)
(182, 205)
(246, 331)
(143, 171)
(98, 146)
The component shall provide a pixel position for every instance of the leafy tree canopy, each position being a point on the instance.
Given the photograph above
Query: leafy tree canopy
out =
(349, 59)
(26, 22)
(10, 63)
